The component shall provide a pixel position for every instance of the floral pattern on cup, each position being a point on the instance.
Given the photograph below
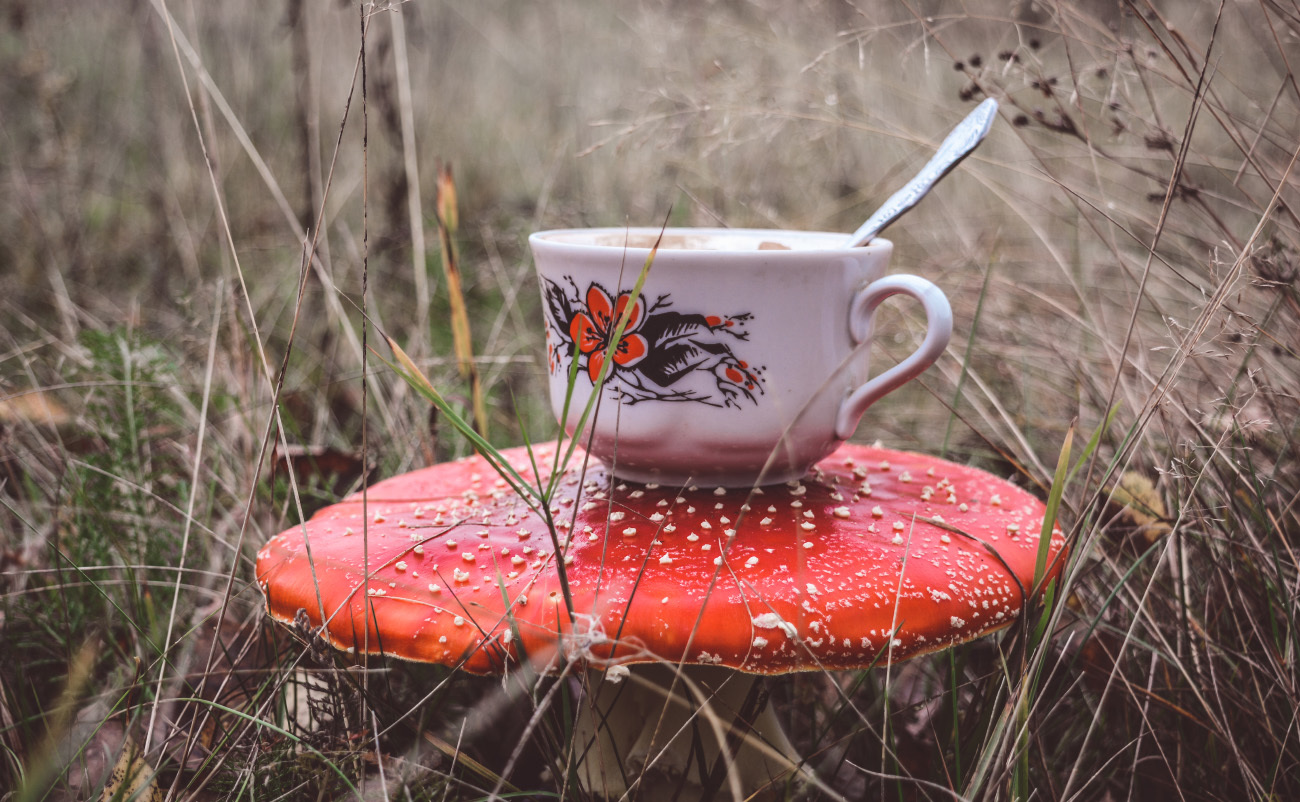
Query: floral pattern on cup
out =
(662, 355)
(592, 329)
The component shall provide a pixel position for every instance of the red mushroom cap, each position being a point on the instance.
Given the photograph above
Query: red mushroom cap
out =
(877, 555)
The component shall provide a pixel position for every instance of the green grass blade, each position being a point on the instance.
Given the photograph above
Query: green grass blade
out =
(608, 365)
(277, 730)
(1053, 505)
(965, 362)
(410, 372)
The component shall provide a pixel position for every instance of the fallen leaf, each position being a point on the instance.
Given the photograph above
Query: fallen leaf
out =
(1142, 505)
(34, 407)
(132, 778)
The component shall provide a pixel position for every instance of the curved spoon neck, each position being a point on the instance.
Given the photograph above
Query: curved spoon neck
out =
(956, 146)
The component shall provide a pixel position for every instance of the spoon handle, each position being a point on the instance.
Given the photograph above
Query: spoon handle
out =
(956, 146)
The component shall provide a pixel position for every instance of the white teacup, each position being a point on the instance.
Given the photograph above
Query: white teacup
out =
(746, 358)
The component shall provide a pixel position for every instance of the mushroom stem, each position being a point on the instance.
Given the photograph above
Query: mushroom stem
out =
(659, 731)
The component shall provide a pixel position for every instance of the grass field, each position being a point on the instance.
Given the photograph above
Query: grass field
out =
(200, 204)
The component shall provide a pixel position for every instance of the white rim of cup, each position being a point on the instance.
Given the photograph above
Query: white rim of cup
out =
(558, 238)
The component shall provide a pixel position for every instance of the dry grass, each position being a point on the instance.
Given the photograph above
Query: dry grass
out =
(188, 218)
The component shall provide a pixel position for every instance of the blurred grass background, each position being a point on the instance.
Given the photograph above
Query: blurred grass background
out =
(1125, 239)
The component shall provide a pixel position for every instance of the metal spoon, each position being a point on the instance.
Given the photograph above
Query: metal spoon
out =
(957, 146)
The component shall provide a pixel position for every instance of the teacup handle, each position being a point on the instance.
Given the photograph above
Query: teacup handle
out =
(938, 318)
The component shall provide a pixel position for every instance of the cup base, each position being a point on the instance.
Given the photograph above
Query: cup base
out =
(731, 480)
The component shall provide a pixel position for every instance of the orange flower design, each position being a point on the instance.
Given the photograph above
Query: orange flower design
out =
(592, 330)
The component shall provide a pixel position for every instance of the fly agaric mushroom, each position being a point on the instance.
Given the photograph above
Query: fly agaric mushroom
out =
(876, 556)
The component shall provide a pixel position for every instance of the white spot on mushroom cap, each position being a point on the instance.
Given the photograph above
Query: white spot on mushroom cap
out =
(774, 621)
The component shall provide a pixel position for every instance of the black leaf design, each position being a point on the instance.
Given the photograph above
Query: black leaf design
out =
(678, 344)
